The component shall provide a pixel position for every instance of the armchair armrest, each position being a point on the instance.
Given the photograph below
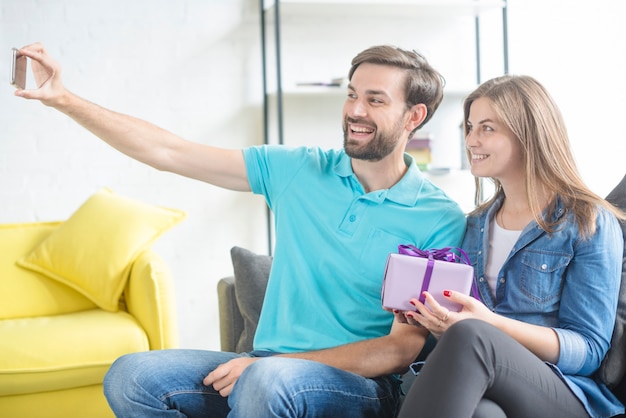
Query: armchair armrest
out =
(150, 298)
(231, 321)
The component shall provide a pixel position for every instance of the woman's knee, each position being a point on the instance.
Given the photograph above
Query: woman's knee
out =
(488, 409)
(466, 331)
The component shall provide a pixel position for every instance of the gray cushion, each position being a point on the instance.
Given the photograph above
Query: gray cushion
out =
(251, 274)
(613, 366)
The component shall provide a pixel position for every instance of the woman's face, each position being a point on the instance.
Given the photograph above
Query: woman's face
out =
(495, 152)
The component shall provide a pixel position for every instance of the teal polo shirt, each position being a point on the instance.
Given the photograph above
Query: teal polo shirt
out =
(332, 243)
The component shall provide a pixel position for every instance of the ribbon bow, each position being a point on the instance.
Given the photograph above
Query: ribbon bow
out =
(441, 254)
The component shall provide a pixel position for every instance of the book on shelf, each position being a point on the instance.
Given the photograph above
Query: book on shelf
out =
(419, 148)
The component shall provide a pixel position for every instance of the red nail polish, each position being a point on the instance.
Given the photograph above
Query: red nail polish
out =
(412, 303)
(447, 293)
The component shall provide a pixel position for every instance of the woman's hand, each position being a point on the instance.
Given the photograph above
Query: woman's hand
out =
(437, 318)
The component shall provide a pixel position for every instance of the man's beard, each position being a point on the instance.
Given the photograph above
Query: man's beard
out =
(377, 148)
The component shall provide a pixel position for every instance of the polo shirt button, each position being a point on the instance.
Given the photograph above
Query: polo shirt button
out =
(352, 218)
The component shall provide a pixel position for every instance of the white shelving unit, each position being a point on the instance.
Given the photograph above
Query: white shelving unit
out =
(391, 8)
(314, 41)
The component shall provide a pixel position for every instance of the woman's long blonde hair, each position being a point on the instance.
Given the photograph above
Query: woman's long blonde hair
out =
(527, 109)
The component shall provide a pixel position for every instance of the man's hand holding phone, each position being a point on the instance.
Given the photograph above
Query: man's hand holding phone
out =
(47, 74)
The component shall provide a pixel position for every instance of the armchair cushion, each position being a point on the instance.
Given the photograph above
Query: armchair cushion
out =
(64, 351)
(251, 275)
(93, 250)
(24, 293)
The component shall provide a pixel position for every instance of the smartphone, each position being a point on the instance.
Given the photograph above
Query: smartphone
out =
(18, 70)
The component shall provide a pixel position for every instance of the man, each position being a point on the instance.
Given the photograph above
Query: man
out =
(323, 346)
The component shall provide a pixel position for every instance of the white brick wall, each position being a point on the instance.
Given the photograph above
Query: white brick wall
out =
(193, 67)
(576, 49)
(190, 66)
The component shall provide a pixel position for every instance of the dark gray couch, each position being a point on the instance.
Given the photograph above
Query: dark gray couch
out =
(241, 296)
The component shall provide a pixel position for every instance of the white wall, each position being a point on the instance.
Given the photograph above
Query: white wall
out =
(576, 49)
(193, 67)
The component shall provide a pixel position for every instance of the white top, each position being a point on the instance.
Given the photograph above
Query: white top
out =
(501, 242)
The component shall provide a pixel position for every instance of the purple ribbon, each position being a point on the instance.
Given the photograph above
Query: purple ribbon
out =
(442, 254)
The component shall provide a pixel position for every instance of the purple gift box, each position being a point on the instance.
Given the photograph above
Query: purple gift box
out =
(405, 279)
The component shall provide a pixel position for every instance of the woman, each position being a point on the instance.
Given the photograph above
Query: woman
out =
(547, 255)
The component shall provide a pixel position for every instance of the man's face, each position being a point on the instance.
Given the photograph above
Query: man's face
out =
(375, 112)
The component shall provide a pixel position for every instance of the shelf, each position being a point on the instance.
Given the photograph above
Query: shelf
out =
(407, 8)
(326, 91)
(448, 31)
(445, 28)
(312, 91)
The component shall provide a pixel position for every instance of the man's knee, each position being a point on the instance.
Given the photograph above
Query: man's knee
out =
(118, 376)
(270, 374)
(263, 388)
(114, 382)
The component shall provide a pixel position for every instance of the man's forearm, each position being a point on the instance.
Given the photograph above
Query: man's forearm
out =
(376, 357)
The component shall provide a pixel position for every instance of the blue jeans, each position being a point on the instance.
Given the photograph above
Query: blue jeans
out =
(168, 383)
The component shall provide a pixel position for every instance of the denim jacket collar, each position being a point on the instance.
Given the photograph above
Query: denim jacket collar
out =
(529, 233)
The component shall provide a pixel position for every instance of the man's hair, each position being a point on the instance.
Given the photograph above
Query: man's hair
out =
(524, 106)
(423, 83)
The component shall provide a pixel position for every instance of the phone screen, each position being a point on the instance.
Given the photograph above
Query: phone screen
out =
(18, 70)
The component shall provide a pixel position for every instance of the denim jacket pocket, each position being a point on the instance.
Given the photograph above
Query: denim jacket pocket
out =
(542, 275)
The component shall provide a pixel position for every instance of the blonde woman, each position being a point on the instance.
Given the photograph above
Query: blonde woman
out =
(547, 254)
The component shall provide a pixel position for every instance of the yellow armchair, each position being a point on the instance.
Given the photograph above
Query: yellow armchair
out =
(57, 341)
(53, 359)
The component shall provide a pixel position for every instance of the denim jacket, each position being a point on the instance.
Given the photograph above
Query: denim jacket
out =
(561, 281)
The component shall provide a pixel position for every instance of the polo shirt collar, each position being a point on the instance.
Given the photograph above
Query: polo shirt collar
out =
(405, 192)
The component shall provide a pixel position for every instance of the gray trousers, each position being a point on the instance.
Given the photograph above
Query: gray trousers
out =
(478, 371)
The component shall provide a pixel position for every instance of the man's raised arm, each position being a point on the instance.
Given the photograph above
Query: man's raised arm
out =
(134, 137)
